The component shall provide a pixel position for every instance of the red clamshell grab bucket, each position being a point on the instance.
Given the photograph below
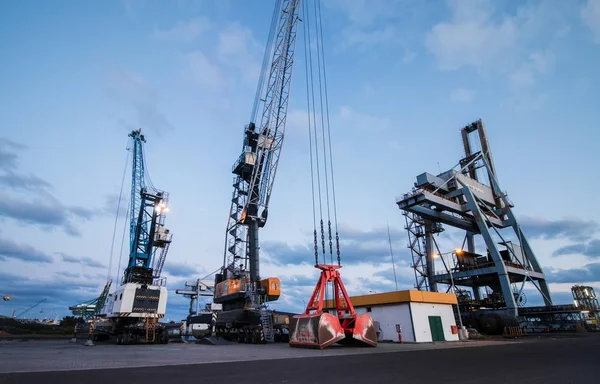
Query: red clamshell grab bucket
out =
(360, 332)
(318, 330)
(321, 329)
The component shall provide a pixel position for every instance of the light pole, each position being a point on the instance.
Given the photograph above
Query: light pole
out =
(462, 330)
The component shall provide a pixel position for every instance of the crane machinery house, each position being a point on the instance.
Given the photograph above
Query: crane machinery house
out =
(409, 316)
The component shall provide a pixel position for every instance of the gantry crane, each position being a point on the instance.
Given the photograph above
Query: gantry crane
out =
(93, 307)
(238, 286)
(473, 202)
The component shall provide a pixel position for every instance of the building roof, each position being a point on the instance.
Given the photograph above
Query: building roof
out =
(397, 297)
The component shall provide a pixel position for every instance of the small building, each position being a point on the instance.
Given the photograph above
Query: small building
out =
(422, 316)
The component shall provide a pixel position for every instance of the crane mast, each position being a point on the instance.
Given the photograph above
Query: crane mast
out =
(255, 168)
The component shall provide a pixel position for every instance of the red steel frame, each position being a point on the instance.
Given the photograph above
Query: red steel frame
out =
(329, 273)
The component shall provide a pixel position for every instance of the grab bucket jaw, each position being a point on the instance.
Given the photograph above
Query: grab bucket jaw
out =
(321, 329)
(315, 331)
(363, 331)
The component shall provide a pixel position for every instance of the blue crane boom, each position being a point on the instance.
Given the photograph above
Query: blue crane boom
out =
(30, 308)
(138, 184)
(147, 232)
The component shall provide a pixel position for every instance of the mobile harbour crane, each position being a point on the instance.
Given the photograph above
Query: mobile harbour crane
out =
(133, 310)
(239, 289)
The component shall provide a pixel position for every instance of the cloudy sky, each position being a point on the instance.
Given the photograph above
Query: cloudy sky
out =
(403, 77)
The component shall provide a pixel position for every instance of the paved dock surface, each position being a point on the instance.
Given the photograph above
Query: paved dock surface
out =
(564, 359)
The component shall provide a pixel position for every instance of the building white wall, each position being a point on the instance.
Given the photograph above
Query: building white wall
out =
(420, 317)
(388, 315)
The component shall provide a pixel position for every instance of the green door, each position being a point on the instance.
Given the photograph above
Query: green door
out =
(437, 331)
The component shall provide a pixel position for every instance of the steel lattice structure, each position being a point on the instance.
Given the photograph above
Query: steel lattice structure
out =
(149, 240)
(460, 199)
(256, 167)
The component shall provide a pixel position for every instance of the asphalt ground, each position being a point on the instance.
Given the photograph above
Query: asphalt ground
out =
(562, 359)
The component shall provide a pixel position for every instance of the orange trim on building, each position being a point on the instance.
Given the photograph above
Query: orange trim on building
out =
(397, 297)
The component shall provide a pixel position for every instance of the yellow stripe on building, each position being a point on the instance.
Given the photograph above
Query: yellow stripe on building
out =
(397, 297)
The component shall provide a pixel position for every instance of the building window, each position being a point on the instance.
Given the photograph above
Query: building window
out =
(368, 309)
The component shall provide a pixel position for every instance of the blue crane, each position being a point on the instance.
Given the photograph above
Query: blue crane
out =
(141, 299)
(147, 234)
(134, 308)
(29, 309)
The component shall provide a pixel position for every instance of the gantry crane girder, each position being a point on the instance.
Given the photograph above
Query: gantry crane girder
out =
(459, 199)
(91, 308)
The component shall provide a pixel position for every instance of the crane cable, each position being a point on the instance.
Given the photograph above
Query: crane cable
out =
(117, 217)
(307, 42)
(265, 63)
(313, 125)
(125, 223)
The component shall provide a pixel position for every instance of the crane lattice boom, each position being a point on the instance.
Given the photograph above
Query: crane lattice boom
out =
(256, 167)
(147, 233)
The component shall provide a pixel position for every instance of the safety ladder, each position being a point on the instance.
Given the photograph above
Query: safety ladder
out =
(151, 328)
(267, 324)
(266, 319)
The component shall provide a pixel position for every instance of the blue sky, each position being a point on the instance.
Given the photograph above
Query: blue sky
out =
(403, 78)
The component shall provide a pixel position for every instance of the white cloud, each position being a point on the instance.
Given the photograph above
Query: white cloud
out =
(363, 40)
(538, 63)
(462, 95)
(204, 72)
(408, 56)
(185, 31)
(352, 119)
(590, 14)
(472, 37)
(524, 102)
(374, 23)
(521, 78)
(230, 53)
(364, 12)
(130, 88)
(237, 48)
(347, 117)
(480, 36)
(369, 91)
